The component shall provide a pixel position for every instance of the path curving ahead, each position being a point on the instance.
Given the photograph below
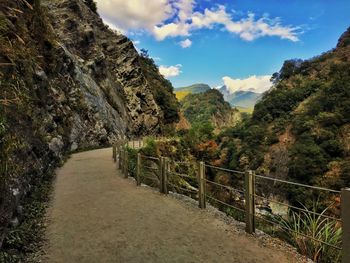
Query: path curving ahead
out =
(97, 216)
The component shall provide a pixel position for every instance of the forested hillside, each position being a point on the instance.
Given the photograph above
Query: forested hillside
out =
(300, 129)
(209, 107)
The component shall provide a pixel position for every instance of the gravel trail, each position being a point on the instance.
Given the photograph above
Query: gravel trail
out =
(97, 216)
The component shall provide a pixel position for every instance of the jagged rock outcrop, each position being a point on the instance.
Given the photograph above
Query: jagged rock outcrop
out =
(106, 61)
(68, 82)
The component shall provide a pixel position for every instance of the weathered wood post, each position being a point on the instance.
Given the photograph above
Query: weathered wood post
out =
(119, 157)
(167, 170)
(345, 214)
(133, 143)
(138, 170)
(126, 164)
(164, 167)
(201, 185)
(139, 143)
(122, 161)
(161, 174)
(114, 152)
(250, 201)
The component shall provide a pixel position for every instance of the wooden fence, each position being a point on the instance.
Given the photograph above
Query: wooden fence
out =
(161, 166)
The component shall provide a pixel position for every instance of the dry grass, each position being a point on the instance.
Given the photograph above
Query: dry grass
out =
(180, 95)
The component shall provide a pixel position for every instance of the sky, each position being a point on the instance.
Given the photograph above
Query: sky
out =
(239, 43)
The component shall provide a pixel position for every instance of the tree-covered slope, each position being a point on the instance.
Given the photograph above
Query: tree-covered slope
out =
(300, 129)
(209, 106)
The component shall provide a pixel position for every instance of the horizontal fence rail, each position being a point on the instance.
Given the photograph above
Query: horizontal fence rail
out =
(167, 174)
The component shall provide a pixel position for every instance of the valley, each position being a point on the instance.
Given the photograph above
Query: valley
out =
(72, 81)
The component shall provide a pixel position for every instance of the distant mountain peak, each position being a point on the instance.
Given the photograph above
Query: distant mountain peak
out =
(240, 98)
(195, 88)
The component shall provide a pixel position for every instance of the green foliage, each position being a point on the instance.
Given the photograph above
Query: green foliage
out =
(27, 237)
(150, 147)
(202, 107)
(317, 128)
(281, 100)
(200, 132)
(132, 161)
(162, 89)
(318, 228)
(307, 160)
(289, 68)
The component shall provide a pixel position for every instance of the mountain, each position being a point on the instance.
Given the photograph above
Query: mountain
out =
(243, 99)
(209, 106)
(68, 82)
(193, 89)
(300, 128)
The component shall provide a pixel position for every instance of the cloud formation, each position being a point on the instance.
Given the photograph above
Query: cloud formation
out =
(171, 71)
(258, 84)
(173, 18)
(185, 43)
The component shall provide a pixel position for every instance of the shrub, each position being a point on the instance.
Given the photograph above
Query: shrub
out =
(318, 228)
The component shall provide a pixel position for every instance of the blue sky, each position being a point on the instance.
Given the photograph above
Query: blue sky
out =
(233, 40)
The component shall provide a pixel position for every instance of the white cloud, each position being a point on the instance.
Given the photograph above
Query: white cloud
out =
(171, 71)
(135, 14)
(258, 84)
(136, 42)
(171, 30)
(185, 43)
(173, 18)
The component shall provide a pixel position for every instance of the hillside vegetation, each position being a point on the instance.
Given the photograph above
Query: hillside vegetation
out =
(68, 82)
(300, 129)
(209, 107)
(182, 92)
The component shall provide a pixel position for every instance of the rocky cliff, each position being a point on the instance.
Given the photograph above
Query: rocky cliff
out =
(68, 82)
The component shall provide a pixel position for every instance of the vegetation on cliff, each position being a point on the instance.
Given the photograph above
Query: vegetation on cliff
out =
(209, 108)
(68, 83)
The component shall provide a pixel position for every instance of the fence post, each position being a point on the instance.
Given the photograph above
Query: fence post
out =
(345, 214)
(139, 143)
(250, 201)
(138, 170)
(114, 152)
(133, 143)
(165, 176)
(201, 185)
(161, 174)
(126, 164)
(119, 157)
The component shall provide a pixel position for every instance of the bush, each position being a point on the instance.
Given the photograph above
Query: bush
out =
(318, 228)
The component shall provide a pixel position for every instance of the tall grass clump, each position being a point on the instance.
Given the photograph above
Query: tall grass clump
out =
(132, 161)
(318, 227)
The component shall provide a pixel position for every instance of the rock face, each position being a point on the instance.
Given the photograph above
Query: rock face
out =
(106, 65)
(68, 82)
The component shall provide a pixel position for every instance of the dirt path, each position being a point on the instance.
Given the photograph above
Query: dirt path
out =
(97, 216)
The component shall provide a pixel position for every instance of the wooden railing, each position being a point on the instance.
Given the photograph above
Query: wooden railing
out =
(161, 166)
